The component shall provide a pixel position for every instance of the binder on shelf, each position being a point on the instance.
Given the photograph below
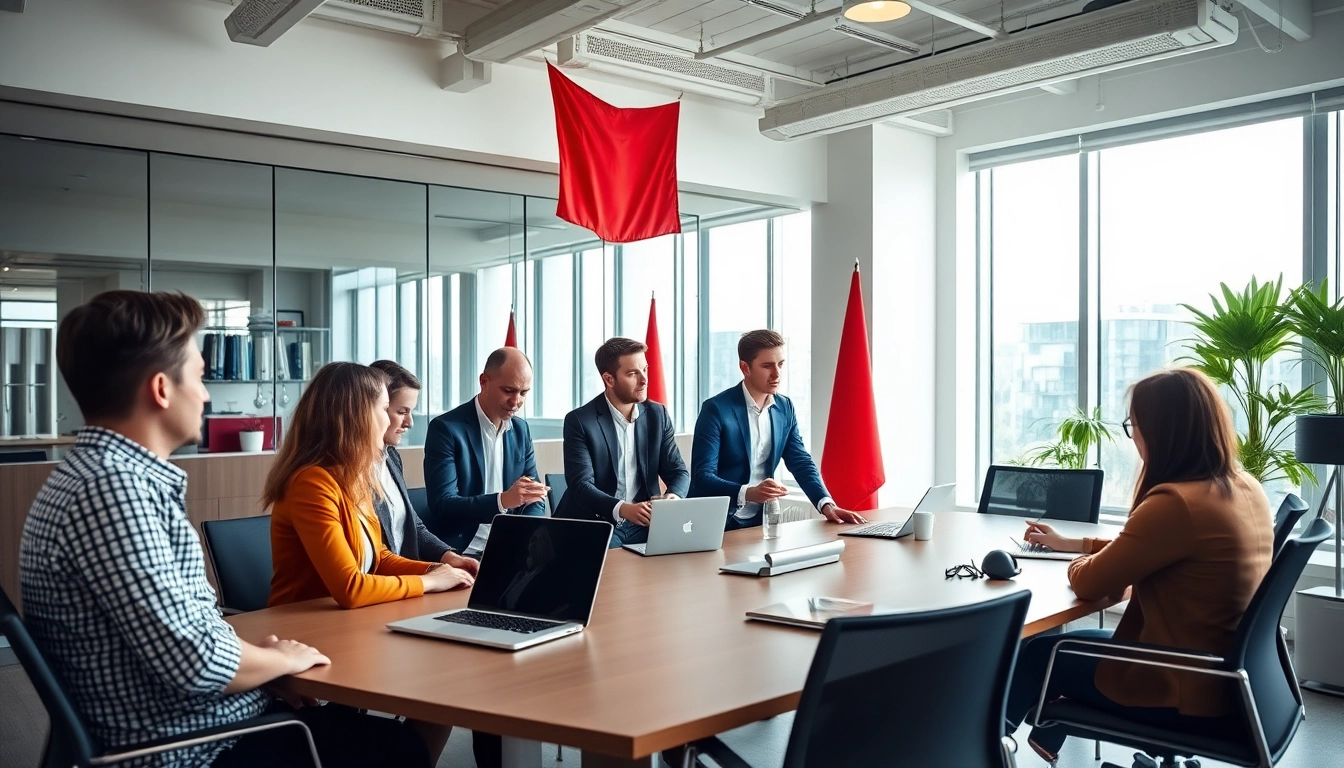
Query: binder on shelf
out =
(261, 356)
(788, 560)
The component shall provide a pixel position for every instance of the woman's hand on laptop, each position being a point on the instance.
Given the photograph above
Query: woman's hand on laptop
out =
(640, 514)
(469, 564)
(1040, 533)
(442, 577)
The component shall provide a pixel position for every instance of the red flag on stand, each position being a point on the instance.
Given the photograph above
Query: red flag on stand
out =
(618, 166)
(657, 386)
(851, 462)
(511, 338)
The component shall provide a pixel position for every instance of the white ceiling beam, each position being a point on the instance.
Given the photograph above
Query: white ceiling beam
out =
(638, 34)
(1062, 88)
(1296, 16)
(812, 18)
(962, 21)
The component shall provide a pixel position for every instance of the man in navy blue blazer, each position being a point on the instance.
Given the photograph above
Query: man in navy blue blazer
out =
(743, 433)
(618, 446)
(479, 460)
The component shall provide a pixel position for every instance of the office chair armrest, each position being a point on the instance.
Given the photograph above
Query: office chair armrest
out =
(719, 752)
(1134, 653)
(208, 735)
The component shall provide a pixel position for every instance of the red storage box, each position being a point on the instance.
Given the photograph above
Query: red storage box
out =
(221, 431)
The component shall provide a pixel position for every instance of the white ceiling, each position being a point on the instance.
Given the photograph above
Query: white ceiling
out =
(819, 49)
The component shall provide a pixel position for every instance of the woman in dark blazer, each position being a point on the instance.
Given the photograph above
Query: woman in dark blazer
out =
(403, 530)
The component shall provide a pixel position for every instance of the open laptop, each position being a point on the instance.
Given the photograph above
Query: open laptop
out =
(936, 499)
(537, 582)
(685, 525)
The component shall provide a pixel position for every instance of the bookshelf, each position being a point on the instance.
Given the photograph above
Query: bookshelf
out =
(242, 355)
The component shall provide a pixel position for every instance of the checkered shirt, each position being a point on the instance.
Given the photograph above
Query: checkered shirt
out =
(114, 592)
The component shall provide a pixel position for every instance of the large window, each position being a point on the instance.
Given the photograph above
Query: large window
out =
(1091, 255)
(738, 258)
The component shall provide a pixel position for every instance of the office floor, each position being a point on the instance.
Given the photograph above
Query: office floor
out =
(1319, 742)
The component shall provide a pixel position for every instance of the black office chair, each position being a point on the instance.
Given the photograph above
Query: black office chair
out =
(240, 553)
(960, 660)
(419, 501)
(1052, 494)
(69, 741)
(1290, 511)
(1269, 709)
(22, 457)
(558, 486)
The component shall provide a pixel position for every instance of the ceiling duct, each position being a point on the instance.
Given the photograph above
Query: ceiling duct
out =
(520, 27)
(1120, 36)
(261, 22)
(670, 68)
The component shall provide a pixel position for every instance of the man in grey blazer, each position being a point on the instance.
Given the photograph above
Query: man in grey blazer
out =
(618, 446)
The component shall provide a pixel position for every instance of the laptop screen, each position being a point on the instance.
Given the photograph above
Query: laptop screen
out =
(541, 566)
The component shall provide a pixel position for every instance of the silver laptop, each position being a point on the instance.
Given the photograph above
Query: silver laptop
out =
(537, 582)
(936, 499)
(685, 525)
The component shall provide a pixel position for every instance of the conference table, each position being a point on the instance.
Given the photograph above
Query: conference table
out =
(668, 656)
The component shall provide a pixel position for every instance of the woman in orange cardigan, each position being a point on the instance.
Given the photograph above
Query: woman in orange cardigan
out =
(1198, 541)
(325, 537)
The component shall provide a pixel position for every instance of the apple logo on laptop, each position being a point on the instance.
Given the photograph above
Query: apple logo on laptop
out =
(687, 527)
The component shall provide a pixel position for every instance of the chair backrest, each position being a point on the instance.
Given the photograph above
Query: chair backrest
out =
(419, 501)
(22, 457)
(558, 486)
(1055, 494)
(240, 552)
(1290, 511)
(1255, 646)
(69, 741)
(860, 707)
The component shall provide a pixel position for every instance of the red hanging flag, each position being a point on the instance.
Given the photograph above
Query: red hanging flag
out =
(851, 462)
(657, 386)
(511, 338)
(618, 166)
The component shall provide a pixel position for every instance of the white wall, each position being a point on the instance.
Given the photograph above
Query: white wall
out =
(880, 213)
(354, 86)
(1238, 74)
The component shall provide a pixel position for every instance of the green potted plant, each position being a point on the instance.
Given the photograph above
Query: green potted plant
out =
(1075, 437)
(1233, 345)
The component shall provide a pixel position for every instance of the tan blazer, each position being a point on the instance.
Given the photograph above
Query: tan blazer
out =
(1194, 556)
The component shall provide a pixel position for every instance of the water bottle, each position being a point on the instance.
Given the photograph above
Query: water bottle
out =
(771, 516)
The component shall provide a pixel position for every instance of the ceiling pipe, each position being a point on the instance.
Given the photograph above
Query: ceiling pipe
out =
(958, 19)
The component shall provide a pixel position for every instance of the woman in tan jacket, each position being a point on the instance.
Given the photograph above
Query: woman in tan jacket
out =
(1197, 543)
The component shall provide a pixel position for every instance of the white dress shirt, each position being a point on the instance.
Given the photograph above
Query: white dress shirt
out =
(627, 457)
(396, 507)
(492, 445)
(762, 442)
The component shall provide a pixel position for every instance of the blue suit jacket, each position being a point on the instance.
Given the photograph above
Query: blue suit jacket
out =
(455, 473)
(590, 459)
(721, 453)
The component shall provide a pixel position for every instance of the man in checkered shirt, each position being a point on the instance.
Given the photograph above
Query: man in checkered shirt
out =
(113, 577)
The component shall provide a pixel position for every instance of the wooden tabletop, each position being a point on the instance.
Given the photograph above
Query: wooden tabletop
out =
(669, 656)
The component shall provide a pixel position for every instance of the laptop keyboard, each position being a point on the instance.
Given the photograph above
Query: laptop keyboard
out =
(498, 621)
(878, 529)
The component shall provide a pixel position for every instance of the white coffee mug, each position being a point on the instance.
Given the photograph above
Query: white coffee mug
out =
(923, 526)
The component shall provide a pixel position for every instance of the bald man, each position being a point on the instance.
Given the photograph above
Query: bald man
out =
(478, 457)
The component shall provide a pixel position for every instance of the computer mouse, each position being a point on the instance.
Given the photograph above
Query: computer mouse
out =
(998, 564)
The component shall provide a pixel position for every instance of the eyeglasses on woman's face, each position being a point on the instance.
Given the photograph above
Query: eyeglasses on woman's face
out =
(1128, 426)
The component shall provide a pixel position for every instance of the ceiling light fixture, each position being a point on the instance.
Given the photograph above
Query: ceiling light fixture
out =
(875, 11)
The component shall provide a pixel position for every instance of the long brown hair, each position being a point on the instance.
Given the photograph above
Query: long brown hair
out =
(1186, 428)
(333, 428)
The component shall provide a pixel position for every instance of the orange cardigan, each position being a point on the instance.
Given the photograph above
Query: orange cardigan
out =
(1194, 558)
(317, 546)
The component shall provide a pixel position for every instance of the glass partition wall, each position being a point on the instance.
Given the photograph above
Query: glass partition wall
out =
(298, 268)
